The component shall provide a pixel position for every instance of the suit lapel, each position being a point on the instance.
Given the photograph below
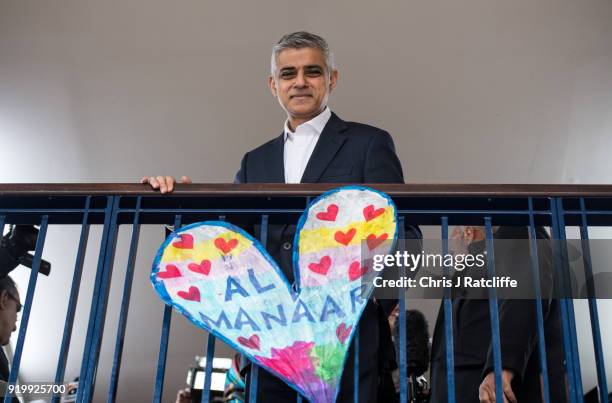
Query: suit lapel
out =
(275, 169)
(329, 143)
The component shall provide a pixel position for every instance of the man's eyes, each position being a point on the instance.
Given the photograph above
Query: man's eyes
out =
(286, 74)
(310, 72)
(315, 72)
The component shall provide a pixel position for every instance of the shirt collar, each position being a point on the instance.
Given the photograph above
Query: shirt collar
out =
(317, 123)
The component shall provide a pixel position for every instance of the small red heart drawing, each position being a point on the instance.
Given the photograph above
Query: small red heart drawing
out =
(374, 242)
(343, 332)
(252, 342)
(345, 238)
(369, 213)
(356, 270)
(322, 267)
(186, 242)
(171, 272)
(202, 268)
(192, 295)
(226, 246)
(330, 214)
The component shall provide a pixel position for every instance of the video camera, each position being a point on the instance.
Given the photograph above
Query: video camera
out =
(14, 248)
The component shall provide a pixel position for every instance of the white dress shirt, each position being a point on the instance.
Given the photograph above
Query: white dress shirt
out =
(300, 144)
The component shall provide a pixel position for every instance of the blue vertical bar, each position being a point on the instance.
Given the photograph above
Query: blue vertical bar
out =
(569, 359)
(100, 316)
(494, 313)
(254, 375)
(125, 303)
(402, 321)
(163, 344)
(27, 305)
(533, 247)
(595, 330)
(210, 356)
(94, 300)
(356, 372)
(448, 323)
(74, 296)
(2, 220)
(569, 302)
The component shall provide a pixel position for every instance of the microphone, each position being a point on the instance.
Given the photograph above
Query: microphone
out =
(417, 340)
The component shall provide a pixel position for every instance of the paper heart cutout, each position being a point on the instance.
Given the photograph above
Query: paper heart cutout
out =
(299, 333)
(343, 332)
(330, 214)
(186, 242)
(356, 270)
(252, 342)
(369, 213)
(226, 246)
(171, 272)
(322, 267)
(374, 241)
(192, 295)
(345, 237)
(203, 267)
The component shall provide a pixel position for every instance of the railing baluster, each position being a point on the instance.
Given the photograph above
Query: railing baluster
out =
(356, 366)
(210, 356)
(254, 375)
(125, 304)
(27, 305)
(100, 316)
(448, 322)
(108, 212)
(593, 312)
(494, 313)
(559, 279)
(74, 296)
(163, 344)
(569, 302)
(533, 247)
(402, 321)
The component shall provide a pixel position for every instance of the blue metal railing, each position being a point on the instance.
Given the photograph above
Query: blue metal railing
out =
(114, 205)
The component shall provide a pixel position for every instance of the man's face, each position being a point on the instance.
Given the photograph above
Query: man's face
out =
(302, 83)
(9, 308)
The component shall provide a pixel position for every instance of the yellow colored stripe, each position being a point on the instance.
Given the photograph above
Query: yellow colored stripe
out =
(323, 238)
(205, 249)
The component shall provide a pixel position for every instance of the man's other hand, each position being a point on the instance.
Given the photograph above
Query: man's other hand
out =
(165, 184)
(486, 392)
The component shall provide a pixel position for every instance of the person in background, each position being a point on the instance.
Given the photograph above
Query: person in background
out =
(10, 306)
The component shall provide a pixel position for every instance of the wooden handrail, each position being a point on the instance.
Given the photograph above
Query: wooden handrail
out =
(223, 189)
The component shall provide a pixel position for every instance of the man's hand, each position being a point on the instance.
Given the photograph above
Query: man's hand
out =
(165, 184)
(486, 392)
(183, 396)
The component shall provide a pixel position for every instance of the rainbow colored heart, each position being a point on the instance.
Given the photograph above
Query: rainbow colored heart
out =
(224, 281)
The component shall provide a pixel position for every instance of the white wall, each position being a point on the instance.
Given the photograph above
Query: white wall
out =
(107, 91)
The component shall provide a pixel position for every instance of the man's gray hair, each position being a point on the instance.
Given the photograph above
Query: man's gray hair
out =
(300, 40)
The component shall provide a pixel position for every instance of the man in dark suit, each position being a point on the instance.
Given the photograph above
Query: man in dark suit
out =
(316, 146)
(473, 356)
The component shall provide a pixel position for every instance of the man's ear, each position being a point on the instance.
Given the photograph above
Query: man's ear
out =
(272, 85)
(333, 80)
(4, 297)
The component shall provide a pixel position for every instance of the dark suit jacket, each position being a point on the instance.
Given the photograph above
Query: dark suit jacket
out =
(518, 333)
(346, 152)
